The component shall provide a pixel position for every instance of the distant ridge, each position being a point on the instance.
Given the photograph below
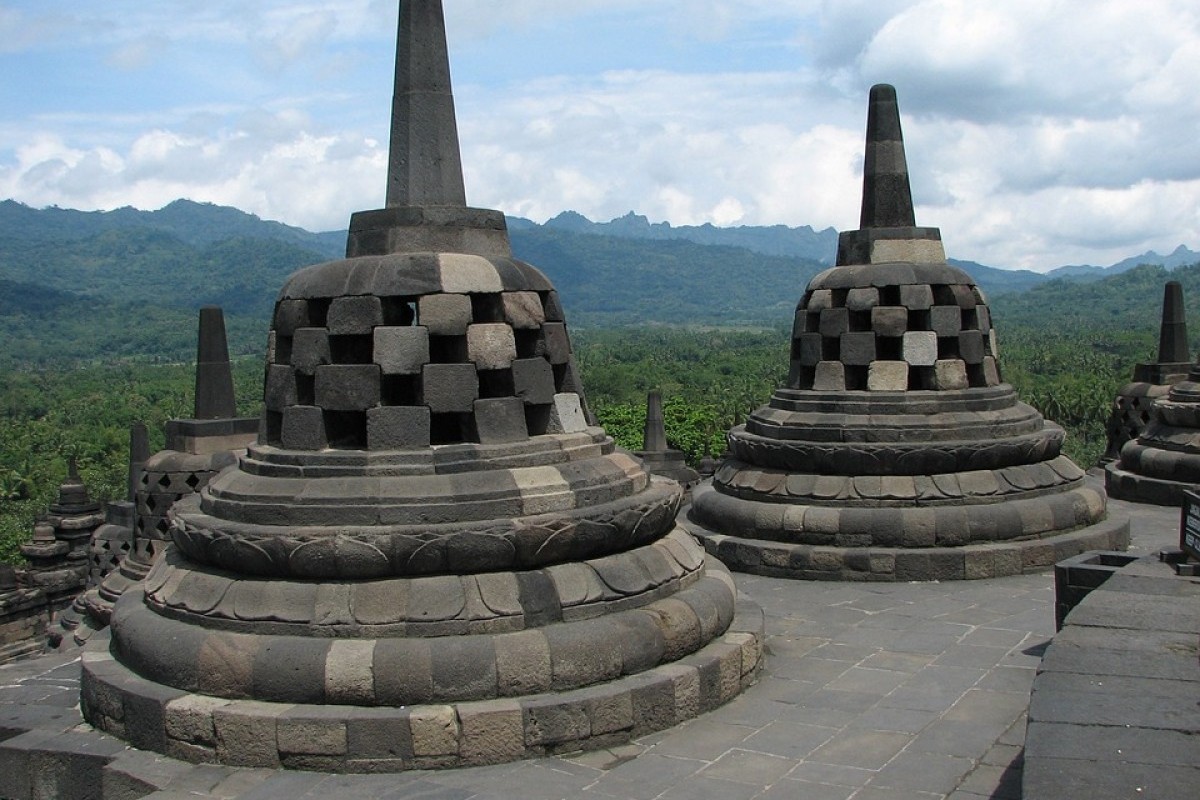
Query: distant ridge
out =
(1181, 256)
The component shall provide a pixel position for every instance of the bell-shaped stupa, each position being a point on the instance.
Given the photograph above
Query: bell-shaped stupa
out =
(1131, 408)
(429, 558)
(896, 452)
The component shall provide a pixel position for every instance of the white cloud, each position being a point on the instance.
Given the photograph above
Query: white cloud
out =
(1038, 133)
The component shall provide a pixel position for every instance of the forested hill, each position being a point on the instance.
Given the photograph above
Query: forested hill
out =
(87, 286)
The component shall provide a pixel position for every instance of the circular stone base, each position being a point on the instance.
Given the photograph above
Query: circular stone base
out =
(969, 562)
(1136, 488)
(339, 738)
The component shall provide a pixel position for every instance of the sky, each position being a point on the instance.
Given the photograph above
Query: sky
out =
(1039, 133)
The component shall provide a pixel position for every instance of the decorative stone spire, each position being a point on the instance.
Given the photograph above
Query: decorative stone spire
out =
(139, 454)
(424, 165)
(888, 229)
(887, 196)
(655, 436)
(214, 380)
(1172, 335)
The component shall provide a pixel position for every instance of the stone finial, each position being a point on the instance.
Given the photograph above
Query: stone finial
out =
(139, 453)
(424, 164)
(214, 379)
(1172, 337)
(887, 196)
(655, 437)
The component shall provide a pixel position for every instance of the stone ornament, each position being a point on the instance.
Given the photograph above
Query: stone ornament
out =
(895, 451)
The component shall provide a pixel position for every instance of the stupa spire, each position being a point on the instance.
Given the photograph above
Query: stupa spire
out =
(887, 195)
(655, 436)
(214, 379)
(1172, 335)
(424, 164)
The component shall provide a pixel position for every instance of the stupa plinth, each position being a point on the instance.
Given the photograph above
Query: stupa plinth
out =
(429, 558)
(657, 456)
(895, 452)
(1132, 406)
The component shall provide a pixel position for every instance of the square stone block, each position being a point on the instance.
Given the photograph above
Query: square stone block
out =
(835, 321)
(820, 300)
(916, 298)
(500, 420)
(566, 414)
(533, 380)
(523, 310)
(449, 388)
(830, 377)
(809, 348)
(862, 298)
(303, 428)
(993, 346)
(348, 387)
(401, 351)
(970, 347)
(280, 391)
(350, 316)
(557, 342)
(963, 295)
(887, 376)
(310, 349)
(991, 371)
(554, 309)
(289, 316)
(950, 374)
(946, 320)
(445, 314)
(985, 318)
(889, 320)
(920, 348)
(491, 346)
(858, 349)
(397, 427)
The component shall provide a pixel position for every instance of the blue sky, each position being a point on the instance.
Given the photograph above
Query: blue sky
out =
(1039, 133)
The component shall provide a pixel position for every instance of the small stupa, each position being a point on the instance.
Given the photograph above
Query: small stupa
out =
(1131, 407)
(895, 452)
(429, 558)
(196, 450)
(657, 455)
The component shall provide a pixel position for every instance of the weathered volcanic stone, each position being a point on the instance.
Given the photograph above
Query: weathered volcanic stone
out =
(430, 558)
(896, 453)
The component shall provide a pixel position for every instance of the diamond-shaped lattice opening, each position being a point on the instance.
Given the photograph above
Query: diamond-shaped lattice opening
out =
(164, 481)
(151, 503)
(193, 481)
(162, 526)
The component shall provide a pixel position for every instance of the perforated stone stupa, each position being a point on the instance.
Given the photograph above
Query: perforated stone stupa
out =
(895, 452)
(1132, 406)
(429, 558)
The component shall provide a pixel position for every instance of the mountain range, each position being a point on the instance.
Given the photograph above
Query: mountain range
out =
(80, 285)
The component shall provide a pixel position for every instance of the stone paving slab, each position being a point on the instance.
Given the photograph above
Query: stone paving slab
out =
(898, 691)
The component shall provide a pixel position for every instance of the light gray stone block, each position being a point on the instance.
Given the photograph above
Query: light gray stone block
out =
(401, 351)
(950, 375)
(566, 414)
(920, 348)
(491, 346)
(887, 376)
(350, 316)
(830, 377)
(445, 314)
(523, 310)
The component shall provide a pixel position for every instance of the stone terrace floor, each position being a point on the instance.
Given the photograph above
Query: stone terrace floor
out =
(870, 691)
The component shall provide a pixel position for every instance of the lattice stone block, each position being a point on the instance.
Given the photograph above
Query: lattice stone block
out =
(946, 320)
(889, 320)
(566, 414)
(491, 346)
(858, 349)
(397, 427)
(350, 316)
(401, 351)
(500, 420)
(310, 349)
(830, 376)
(991, 371)
(303, 428)
(820, 300)
(523, 310)
(449, 388)
(533, 380)
(920, 348)
(557, 342)
(863, 298)
(916, 297)
(280, 390)
(970, 347)
(950, 375)
(290, 315)
(887, 376)
(445, 314)
(835, 321)
(810, 348)
(348, 387)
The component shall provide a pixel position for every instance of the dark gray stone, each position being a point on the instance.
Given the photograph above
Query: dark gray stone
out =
(533, 380)
(449, 388)
(348, 387)
(304, 428)
(397, 427)
(500, 420)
